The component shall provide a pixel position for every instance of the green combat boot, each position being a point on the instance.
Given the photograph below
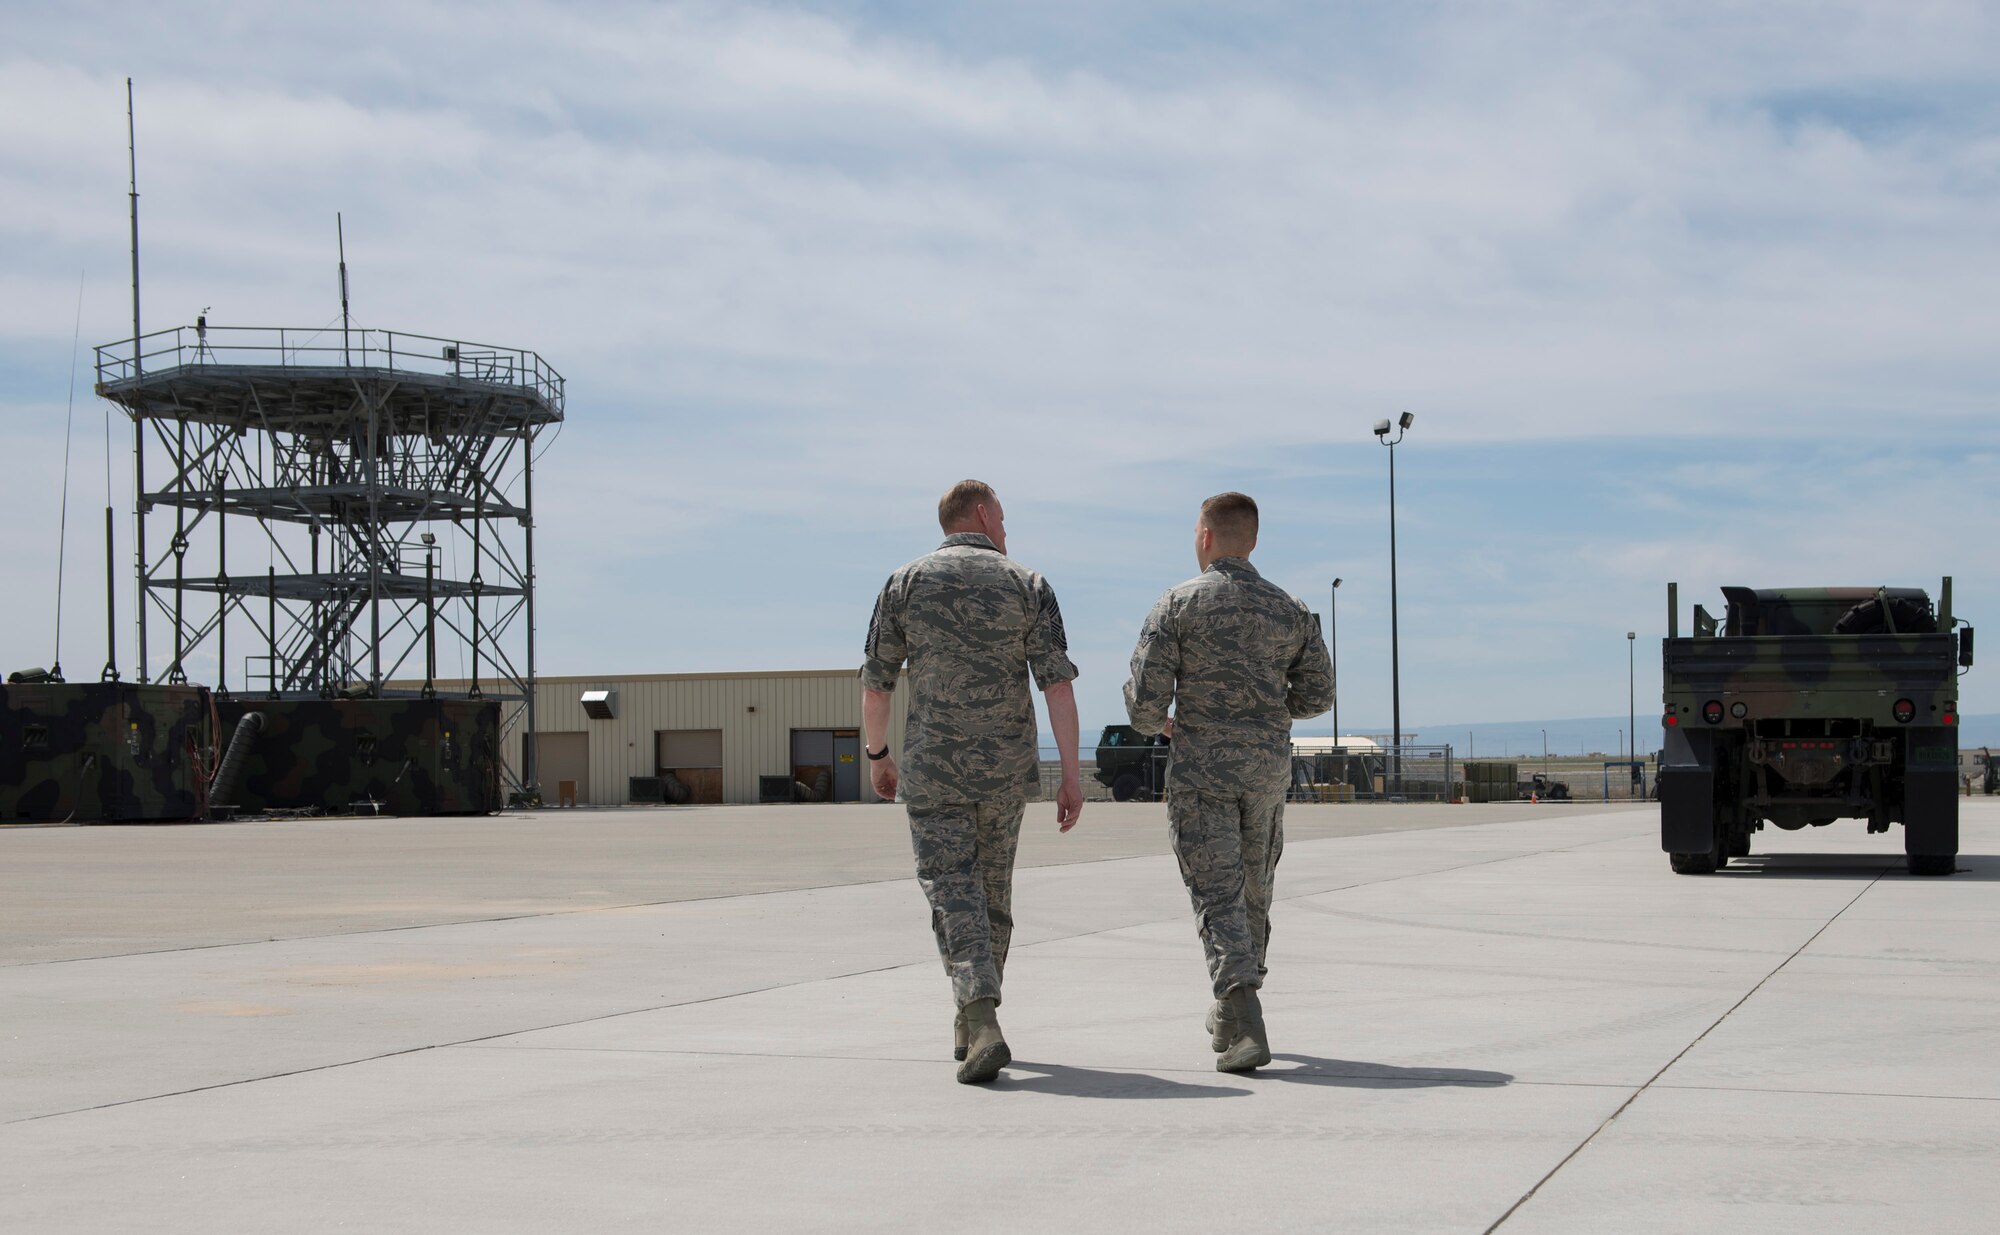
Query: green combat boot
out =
(985, 1050)
(958, 1036)
(1249, 1048)
(1220, 1028)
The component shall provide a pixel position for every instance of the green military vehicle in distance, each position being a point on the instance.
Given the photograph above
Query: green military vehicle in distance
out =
(1130, 764)
(1806, 705)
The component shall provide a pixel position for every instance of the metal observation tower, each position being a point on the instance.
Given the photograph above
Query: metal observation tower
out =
(321, 512)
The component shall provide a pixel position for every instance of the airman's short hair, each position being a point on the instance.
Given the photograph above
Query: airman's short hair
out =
(1232, 517)
(956, 506)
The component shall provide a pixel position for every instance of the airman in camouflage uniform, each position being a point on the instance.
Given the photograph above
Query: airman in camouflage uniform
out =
(1237, 659)
(972, 625)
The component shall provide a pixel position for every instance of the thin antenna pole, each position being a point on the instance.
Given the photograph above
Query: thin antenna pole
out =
(340, 234)
(271, 629)
(221, 587)
(110, 673)
(62, 521)
(138, 419)
(132, 163)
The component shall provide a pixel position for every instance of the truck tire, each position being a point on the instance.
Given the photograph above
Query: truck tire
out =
(1692, 863)
(1707, 863)
(1124, 786)
(1932, 863)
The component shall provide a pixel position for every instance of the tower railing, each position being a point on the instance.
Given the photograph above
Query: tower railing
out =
(292, 347)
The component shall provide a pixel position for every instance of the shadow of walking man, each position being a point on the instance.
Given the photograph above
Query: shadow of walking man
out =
(1056, 1078)
(1352, 1074)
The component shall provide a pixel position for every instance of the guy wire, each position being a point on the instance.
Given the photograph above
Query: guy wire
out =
(62, 520)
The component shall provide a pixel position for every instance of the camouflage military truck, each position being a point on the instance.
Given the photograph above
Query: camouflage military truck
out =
(1543, 787)
(1806, 705)
(1130, 764)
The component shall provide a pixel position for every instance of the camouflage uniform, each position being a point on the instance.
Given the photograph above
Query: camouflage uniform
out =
(1237, 659)
(971, 623)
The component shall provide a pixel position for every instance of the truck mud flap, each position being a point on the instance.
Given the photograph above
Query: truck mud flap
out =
(1687, 809)
(1687, 792)
(1930, 792)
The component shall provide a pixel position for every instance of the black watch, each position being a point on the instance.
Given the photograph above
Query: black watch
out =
(875, 758)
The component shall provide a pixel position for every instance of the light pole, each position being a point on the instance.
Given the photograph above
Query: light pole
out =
(1402, 426)
(1545, 752)
(1631, 696)
(1333, 652)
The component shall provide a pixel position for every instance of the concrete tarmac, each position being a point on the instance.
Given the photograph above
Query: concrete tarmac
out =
(1506, 1017)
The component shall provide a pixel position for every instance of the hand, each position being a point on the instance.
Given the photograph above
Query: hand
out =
(1167, 730)
(882, 774)
(1069, 802)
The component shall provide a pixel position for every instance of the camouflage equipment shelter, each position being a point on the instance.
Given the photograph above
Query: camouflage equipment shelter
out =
(116, 752)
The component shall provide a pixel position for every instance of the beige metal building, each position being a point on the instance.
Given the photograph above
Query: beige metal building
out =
(730, 737)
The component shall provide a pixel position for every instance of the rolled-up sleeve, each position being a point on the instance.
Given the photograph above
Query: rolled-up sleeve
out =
(1156, 665)
(1048, 642)
(1309, 682)
(887, 647)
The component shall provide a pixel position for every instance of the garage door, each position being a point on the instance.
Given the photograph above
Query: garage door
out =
(561, 757)
(695, 756)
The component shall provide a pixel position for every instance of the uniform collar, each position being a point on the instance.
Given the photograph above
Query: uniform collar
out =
(1233, 566)
(976, 540)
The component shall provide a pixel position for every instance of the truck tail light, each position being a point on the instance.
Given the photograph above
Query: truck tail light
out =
(1904, 711)
(1672, 720)
(1712, 711)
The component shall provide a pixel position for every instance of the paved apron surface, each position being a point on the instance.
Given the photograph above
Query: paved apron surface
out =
(1528, 1023)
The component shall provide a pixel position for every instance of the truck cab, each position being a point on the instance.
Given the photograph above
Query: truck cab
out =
(1806, 705)
(1132, 765)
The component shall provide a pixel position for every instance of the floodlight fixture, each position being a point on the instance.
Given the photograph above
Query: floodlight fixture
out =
(1381, 428)
(1407, 419)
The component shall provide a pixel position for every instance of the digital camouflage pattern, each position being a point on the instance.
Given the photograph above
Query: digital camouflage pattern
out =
(1786, 713)
(393, 756)
(1228, 846)
(1235, 659)
(972, 625)
(103, 752)
(965, 864)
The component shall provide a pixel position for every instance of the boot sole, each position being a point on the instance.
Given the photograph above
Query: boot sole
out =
(958, 1053)
(986, 1065)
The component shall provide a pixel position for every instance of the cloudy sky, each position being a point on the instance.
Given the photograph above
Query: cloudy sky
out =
(1678, 291)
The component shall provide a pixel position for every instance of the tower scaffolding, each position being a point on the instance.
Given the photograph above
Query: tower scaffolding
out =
(354, 467)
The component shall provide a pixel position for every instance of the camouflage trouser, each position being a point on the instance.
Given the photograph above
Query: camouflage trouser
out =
(965, 862)
(1228, 846)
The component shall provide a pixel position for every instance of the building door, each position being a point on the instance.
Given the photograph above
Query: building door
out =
(847, 767)
(826, 765)
(560, 757)
(694, 756)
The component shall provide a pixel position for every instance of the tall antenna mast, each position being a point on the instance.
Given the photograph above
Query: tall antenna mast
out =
(132, 157)
(138, 432)
(340, 234)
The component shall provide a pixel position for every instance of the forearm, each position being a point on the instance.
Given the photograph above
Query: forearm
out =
(875, 708)
(1061, 699)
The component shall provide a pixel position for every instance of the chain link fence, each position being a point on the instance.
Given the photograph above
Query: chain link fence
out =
(1409, 773)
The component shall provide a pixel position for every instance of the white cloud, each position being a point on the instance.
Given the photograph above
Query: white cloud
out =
(802, 267)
